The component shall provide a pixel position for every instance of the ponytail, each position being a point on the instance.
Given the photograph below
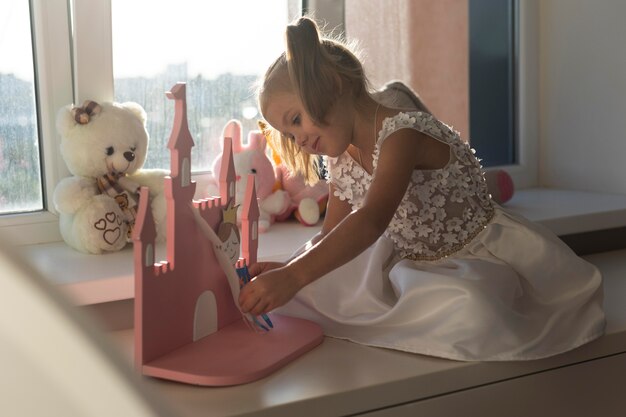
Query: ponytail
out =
(318, 71)
(311, 70)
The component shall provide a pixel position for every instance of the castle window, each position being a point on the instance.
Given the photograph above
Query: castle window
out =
(149, 255)
(186, 173)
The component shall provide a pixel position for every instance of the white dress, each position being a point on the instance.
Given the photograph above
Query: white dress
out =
(454, 275)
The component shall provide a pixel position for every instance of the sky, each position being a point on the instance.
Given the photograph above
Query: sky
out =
(15, 43)
(212, 37)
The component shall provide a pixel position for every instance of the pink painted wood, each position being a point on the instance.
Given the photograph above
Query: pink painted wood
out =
(176, 297)
(250, 223)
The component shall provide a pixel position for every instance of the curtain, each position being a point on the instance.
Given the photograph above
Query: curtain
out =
(421, 42)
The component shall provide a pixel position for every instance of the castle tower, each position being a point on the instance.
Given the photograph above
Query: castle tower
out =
(180, 142)
(227, 174)
(144, 236)
(179, 189)
(250, 223)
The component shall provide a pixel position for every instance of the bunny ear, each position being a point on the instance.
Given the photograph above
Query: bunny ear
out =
(233, 130)
(256, 140)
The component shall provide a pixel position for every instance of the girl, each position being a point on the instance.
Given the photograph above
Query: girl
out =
(413, 253)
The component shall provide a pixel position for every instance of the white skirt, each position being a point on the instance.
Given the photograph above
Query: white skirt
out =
(515, 292)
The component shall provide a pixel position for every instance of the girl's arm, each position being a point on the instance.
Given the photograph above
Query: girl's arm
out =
(336, 211)
(401, 153)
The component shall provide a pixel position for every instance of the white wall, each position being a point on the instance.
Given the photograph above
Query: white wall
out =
(582, 99)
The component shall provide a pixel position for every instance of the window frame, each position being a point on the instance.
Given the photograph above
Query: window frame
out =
(525, 172)
(53, 75)
(92, 47)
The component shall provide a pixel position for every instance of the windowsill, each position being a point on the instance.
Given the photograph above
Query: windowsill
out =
(344, 378)
(93, 279)
(567, 212)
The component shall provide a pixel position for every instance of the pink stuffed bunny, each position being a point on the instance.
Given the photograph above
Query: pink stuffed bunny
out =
(307, 203)
(252, 159)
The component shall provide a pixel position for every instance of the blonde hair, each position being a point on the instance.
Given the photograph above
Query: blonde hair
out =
(318, 70)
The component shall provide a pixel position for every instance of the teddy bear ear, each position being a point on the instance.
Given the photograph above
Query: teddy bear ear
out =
(137, 110)
(65, 120)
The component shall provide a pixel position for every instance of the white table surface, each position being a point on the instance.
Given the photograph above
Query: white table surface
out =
(343, 378)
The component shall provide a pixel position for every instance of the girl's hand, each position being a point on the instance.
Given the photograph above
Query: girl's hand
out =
(261, 267)
(269, 290)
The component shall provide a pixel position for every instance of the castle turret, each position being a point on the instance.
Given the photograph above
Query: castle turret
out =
(179, 189)
(180, 142)
(144, 235)
(228, 176)
(250, 223)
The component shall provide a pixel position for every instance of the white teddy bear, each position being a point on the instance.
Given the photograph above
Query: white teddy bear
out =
(104, 147)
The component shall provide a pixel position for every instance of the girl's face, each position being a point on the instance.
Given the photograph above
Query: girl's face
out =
(286, 114)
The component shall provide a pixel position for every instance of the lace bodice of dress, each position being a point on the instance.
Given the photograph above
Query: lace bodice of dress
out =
(442, 209)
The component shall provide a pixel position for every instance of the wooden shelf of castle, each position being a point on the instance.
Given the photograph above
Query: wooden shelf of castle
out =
(188, 326)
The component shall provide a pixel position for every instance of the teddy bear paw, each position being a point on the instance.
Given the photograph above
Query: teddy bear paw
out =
(111, 227)
(99, 227)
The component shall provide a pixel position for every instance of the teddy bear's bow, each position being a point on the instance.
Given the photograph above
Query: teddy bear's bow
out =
(83, 114)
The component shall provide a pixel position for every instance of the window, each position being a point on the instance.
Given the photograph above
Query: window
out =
(58, 78)
(219, 48)
(20, 162)
(33, 36)
(73, 62)
(461, 57)
(492, 72)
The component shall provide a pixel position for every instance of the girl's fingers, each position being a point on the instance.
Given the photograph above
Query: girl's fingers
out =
(260, 308)
(247, 301)
(261, 267)
(253, 303)
(255, 269)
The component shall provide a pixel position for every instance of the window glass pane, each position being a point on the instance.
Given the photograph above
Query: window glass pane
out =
(20, 178)
(492, 80)
(219, 48)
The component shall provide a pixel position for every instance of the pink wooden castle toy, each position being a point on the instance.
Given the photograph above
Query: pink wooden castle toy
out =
(188, 326)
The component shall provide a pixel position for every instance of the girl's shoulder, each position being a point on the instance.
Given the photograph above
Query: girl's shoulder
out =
(418, 120)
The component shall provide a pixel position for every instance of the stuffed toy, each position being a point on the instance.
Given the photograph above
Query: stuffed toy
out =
(307, 203)
(252, 159)
(397, 94)
(104, 147)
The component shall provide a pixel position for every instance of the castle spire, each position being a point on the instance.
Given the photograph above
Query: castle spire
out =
(250, 223)
(180, 142)
(227, 173)
(144, 230)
